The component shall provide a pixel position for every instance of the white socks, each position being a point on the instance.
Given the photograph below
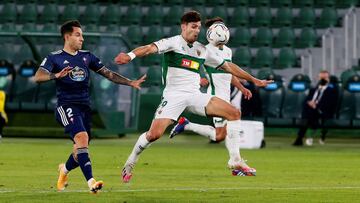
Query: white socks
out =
(203, 130)
(140, 145)
(232, 140)
(90, 182)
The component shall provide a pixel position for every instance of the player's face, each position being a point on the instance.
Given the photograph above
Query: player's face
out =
(75, 39)
(190, 31)
(324, 76)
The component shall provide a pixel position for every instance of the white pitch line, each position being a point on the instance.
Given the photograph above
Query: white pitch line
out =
(191, 189)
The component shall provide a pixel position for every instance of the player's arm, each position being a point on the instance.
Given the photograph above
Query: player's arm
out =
(42, 75)
(238, 72)
(119, 79)
(236, 82)
(124, 58)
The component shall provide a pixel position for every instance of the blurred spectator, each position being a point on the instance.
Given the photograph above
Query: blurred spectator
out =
(319, 106)
(3, 116)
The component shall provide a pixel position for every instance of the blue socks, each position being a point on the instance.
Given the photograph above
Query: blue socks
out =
(71, 163)
(84, 162)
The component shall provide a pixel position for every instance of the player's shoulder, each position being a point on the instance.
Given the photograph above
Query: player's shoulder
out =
(54, 53)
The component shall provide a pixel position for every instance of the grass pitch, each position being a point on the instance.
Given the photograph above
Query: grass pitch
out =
(184, 169)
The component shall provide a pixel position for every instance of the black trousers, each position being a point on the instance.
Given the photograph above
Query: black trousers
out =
(313, 120)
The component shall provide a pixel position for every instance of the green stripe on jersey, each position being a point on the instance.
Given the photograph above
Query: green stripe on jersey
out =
(212, 70)
(183, 61)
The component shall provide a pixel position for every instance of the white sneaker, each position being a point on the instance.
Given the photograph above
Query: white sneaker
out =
(321, 142)
(309, 141)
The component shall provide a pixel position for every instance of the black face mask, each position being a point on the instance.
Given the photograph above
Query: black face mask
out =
(323, 82)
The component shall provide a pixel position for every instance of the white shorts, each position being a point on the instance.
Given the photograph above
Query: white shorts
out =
(173, 104)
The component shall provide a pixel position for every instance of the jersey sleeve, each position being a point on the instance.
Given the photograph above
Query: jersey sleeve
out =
(165, 45)
(95, 63)
(213, 60)
(47, 64)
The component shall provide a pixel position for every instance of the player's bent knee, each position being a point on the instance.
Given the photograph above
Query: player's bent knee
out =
(234, 115)
(81, 139)
(151, 136)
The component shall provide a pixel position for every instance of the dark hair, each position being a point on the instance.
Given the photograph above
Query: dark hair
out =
(211, 21)
(191, 16)
(67, 27)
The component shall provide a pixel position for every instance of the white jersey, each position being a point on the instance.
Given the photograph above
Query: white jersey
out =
(181, 63)
(220, 80)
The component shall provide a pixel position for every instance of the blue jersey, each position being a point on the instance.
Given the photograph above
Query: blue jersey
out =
(75, 87)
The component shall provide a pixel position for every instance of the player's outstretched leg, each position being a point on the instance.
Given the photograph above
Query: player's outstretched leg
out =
(64, 170)
(232, 143)
(140, 145)
(179, 127)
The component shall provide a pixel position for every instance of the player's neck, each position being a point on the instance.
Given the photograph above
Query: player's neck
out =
(187, 41)
(69, 50)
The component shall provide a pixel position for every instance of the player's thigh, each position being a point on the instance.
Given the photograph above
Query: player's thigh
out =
(171, 106)
(72, 119)
(157, 128)
(220, 108)
(197, 102)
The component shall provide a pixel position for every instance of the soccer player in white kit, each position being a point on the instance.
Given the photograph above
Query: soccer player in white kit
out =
(183, 56)
(220, 82)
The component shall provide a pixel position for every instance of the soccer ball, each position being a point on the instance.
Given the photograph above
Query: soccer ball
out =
(217, 34)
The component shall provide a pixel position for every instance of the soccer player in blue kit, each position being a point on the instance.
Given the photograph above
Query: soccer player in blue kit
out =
(70, 68)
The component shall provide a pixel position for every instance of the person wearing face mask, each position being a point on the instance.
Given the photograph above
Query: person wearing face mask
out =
(319, 105)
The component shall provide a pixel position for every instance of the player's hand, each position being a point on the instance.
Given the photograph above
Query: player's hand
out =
(122, 58)
(312, 104)
(247, 93)
(204, 82)
(63, 72)
(137, 83)
(262, 83)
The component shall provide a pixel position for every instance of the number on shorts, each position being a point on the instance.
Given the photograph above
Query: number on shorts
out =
(69, 112)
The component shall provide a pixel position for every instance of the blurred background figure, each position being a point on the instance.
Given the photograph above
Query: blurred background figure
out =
(3, 116)
(319, 106)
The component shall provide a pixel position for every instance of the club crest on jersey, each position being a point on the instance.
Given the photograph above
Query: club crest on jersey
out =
(190, 64)
(77, 74)
(198, 52)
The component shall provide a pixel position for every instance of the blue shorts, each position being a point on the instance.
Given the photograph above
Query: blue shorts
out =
(74, 118)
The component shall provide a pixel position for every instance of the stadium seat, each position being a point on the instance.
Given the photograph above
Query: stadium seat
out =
(346, 75)
(153, 16)
(215, 3)
(285, 37)
(49, 14)
(324, 3)
(8, 13)
(262, 17)
(328, 18)
(259, 3)
(8, 27)
(240, 17)
(283, 17)
(25, 89)
(173, 16)
(307, 38)
(280, 3)
(151, 2)
(242, 56)
(305, 18)
(6, 76)
(242, 37)
(234, 3)
(201, 9)
(135, 35)
(294, 98)
(219, 11)
(47, 95)
(194, 2)
(345, 3)
(154, 34)
(71, 11)
(174, 30)
(91, 14)
(263, 37)
(6, 55)
(174, 2)
(264, 58)
(272, 98)
(154, 76)
(111, 15)
(29, 27)
(302, 3)
(95, 28)
(28, 14)
(50, 27)
(23, 54)
(114, 28)
(286, 58)
(133, 16)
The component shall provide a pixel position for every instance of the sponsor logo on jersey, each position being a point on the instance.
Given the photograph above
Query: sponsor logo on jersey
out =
(190, 64)
(77, 74)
